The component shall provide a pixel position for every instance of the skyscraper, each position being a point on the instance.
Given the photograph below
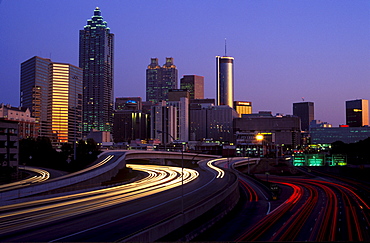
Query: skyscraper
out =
(357, 113)
(225, 80)
(34, 90)
(195, 85)
(159, 80)
(53, 93)
(305, 111)
(96, 60)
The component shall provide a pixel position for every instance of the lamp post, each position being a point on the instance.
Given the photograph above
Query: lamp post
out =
(260, 138)
(182, 171)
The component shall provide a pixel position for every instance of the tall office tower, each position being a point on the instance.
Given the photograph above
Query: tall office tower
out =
(34, 90)
(159, 80)
(163, 122)
(305, 111)
(243, 107)
(195, 85)
(225, 80)
(357, 113)
(96, 60)
(65, 103)
(53, 93)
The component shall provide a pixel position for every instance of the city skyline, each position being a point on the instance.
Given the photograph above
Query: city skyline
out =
(283, 50)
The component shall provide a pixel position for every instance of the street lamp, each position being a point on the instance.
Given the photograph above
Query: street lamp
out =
(260, 138)
(182, 170)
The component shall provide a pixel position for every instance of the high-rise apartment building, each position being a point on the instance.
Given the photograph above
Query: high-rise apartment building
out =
(305, 111)
(159, 80)
(224, 80)
(53, 93)
(357, 113)
(96, 60)
(195, 85)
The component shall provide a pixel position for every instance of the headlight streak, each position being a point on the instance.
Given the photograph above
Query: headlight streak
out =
(220, 172)
(43, 175)
(159, 178)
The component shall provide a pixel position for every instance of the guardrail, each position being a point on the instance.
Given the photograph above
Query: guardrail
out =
(110, 163)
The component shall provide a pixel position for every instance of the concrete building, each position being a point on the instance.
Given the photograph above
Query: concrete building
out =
(26, 124)
(305, 111)
(357, 113)
(8, 143)
(281, 130)
(182, 109)
(224, 81)
(328, 135)
(53, 93)
(159, 80)
(195, 85)
(243, 107)
(163, 122)
(96, 58)
(176, 94)
(212, 122)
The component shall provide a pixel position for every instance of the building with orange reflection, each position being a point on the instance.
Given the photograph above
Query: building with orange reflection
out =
(53, 93)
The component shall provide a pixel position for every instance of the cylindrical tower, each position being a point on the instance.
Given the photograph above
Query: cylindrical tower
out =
(225, 80)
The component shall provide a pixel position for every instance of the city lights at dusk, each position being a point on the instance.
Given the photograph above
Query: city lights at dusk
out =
(184, 121)
(284, 51)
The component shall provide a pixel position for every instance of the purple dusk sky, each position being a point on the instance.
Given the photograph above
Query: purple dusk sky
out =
(284, 50)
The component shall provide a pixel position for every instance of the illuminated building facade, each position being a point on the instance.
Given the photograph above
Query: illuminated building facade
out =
(224, 80)
(53, 93)
(159, 80)
(357, 113)
(195, 85)
(65, 103)
(243, 107)
(305, 111)
(96, 60)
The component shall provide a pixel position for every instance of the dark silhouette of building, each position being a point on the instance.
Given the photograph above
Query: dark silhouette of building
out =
(357, 113)
(130, 123)
(159, 80)
(96, 60)
(195, 85)
(305, 111)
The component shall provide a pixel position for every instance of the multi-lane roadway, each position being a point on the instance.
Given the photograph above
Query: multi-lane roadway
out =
(112, 213)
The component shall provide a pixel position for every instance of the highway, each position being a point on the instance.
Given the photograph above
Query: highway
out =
(310, 208)
(87, 216)
(40, 175)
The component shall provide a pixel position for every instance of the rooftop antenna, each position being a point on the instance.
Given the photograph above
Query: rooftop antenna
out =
(225, 47)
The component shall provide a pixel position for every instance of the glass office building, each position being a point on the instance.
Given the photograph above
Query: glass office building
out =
(96, 60)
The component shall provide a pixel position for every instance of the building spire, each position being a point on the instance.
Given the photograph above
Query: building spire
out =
(225, 47)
